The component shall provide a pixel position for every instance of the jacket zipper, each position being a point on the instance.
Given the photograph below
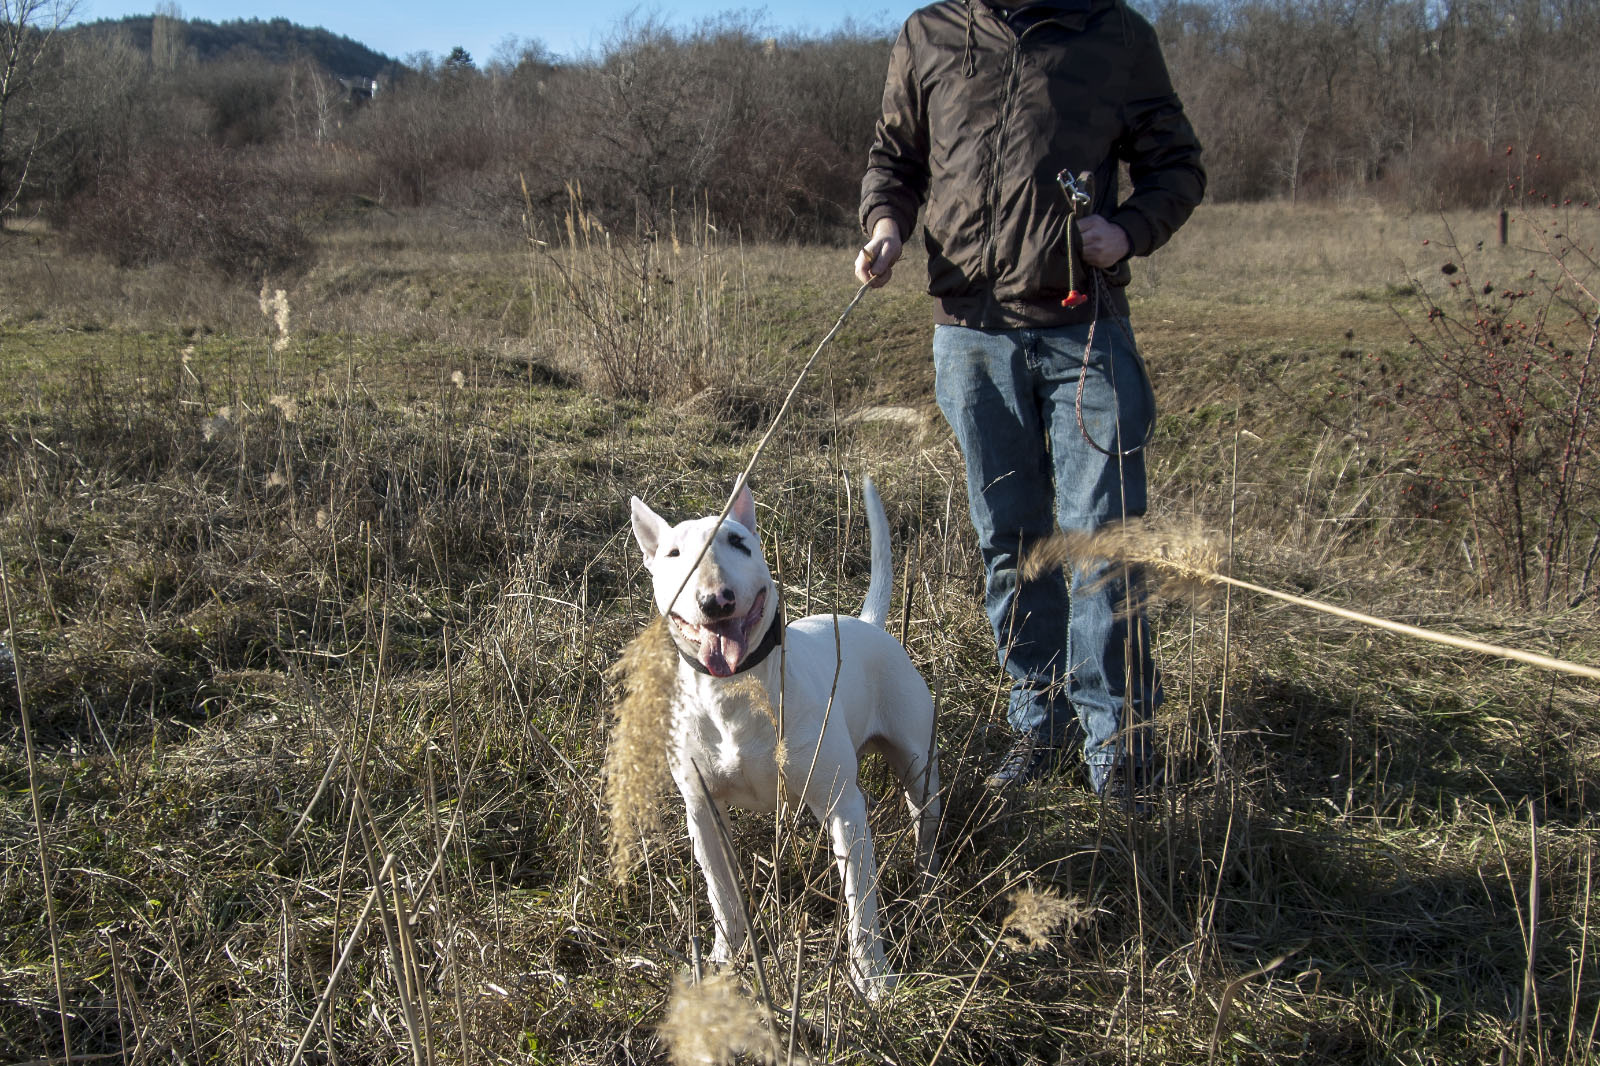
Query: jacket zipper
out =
(991, 264)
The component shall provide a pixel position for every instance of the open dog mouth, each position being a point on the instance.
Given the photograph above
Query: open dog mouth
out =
(722, 646)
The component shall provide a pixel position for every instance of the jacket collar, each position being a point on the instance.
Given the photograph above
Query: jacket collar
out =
(1073, 14)
(1061, 6)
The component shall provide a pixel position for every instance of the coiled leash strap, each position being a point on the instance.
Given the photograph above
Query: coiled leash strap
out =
(1080, 194)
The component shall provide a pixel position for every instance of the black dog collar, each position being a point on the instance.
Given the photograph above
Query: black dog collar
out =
(770, 640)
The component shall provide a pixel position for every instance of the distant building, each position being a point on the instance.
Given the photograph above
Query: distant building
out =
(358, 91)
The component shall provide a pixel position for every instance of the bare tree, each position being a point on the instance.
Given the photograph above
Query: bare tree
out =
(312, 98)
(27, 28)
(166, 37)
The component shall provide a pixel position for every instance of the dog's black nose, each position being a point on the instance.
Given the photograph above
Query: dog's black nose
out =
(719, 604)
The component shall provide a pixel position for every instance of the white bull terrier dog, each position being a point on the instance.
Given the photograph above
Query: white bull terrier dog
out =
(844, 685)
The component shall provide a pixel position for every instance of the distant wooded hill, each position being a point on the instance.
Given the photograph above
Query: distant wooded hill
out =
(275, 40)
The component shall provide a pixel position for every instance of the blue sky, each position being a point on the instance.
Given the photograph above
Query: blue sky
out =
(408, 26)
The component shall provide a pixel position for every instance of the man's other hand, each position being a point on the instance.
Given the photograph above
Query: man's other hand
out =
(875, 261)
(1105, 244)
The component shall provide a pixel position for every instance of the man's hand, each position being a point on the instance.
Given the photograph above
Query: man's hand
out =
(1105, 244)
(875, 261)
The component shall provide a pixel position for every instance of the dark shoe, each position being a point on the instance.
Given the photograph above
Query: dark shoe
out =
(1129, 788)
(1031, 757)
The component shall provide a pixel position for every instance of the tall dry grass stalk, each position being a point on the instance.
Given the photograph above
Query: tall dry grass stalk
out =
(636, 771)
(1187, 561)
(749, 688)
(709, 1023)
(38, 815)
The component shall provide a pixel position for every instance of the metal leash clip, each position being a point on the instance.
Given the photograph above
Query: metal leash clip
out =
(1079, 190)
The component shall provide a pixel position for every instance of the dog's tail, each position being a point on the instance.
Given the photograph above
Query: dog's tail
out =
(880, 587)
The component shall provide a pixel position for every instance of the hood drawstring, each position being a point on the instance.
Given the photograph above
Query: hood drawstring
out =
(969, 66)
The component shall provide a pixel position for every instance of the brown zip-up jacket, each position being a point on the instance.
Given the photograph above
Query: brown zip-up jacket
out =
(977, 121)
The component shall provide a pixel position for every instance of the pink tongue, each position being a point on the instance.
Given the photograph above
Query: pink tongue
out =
(721, 655)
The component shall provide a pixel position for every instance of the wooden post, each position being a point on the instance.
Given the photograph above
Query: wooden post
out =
(1502, 226)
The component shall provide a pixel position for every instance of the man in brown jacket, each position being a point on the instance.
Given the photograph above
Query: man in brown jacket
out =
(986, 102)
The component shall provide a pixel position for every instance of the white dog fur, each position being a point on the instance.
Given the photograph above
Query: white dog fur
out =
(725, 749)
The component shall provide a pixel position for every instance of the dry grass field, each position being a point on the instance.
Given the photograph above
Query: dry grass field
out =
(311, 602)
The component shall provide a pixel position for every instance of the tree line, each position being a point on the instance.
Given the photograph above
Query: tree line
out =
(126, 138)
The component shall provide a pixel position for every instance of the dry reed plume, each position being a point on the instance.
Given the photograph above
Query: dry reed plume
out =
(636, 768)
(1036, 913)
(709, 1022)
(286, 406)
(1185, 557)
(754, 691)
(274, 305)
(636, 771)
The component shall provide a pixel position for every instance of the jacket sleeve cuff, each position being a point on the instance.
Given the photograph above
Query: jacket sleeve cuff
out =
(870, 220)
(1140, 240)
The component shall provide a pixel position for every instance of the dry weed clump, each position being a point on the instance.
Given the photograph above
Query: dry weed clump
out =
(709, 1023)
(1186, 558)
(1504, 396)
(636, 771)
(654, 315)
(210, 207)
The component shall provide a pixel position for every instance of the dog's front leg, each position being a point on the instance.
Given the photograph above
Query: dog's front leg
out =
(722, 885)
(858, 868)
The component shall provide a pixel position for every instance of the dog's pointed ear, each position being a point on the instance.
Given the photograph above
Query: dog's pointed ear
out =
(647, 529)
(744, 507)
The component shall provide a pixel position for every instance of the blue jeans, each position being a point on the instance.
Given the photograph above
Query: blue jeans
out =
(1078, 657)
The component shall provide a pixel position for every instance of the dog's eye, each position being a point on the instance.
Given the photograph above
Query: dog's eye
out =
(673, 554)
(737, 543)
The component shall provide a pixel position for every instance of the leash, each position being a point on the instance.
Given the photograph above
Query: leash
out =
(1079, 191)
(1102, 292)
(761, 446)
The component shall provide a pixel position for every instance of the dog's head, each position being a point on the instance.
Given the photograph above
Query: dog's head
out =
(727, 599)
